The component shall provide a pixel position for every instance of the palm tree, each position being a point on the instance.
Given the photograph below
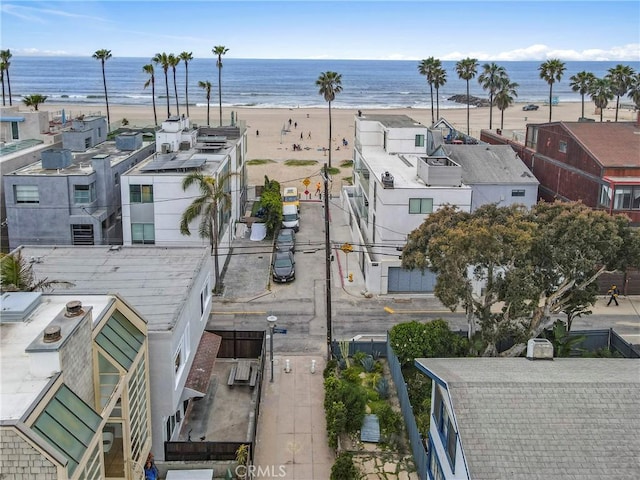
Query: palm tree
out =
(214, 197)
(439, 79)
(219, 50)
(620, 78)
(163, 59)
(427, 68)
(491, 79)
(104, 55)
(505, 97)
(148, 69)
(580, 82)
(634, 90)
(551, 71)
(206, 85)
(466, 70)
(601, 92)
(173, 63)
(34, 100)
(5, 56)
(16, 275)
(330, 84)
(2, 79)
(186, 57)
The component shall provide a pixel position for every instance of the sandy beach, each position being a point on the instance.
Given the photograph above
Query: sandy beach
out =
(271, 138)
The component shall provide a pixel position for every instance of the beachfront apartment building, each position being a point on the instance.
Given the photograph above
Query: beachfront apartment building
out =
(153, 199)
(171, 288)
(531, 418)
(75, 400)
(71, 196)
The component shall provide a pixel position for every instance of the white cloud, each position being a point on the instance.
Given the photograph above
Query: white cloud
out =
(629, 52)
(36, 52)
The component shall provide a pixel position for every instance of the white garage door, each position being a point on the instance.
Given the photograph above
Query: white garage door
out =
(407, 281)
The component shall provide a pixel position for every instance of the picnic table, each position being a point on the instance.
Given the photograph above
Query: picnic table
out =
(243, 373)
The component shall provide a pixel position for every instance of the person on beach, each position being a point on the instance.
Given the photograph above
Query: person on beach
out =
(257, 133)
(301, 136)
(309, 136)
(289, 122)
(318, 188)
(614, 292)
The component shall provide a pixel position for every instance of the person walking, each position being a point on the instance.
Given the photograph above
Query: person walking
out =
(614, 292)
(318, 188)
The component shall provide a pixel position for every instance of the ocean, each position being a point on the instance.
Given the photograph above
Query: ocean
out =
(274, 83)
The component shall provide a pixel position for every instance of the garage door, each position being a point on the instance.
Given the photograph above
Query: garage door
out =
(401, 280)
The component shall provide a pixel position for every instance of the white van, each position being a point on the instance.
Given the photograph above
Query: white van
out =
(290, 217)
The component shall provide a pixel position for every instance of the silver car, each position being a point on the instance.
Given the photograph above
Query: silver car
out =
(286, 241)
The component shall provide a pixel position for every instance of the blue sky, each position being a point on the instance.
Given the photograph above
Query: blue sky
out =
(386, 30)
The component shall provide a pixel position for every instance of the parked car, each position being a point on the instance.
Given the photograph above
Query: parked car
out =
(290, 217)
(530, 107)
(283, 268)
(286, 241)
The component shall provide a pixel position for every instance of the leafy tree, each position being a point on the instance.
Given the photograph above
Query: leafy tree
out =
(344, 468)
(491, 79)
(148, 69)
(219, 51)
(206, 86)
(620, 77)
(330, 84)
(467, 69)
(34, 100)
(579, 302)
(5, 57)
(163, 60)
(428, 68)
(173, 63)
(271, 201)
(104, 55)
(411, 340)
(581, 82)
(214, 197)
(186, 57)
(601, 92)
(551, 71)
(16, 275)
(505, 97)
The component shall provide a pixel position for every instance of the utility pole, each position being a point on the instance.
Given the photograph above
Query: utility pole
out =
(327, 248)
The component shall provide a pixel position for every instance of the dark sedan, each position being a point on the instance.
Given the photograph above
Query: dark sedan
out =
(283, 268)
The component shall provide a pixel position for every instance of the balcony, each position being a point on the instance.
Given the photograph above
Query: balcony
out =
(439, 172)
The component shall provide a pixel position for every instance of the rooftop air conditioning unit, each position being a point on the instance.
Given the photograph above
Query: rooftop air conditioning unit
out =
(539, 349)
(166, 147)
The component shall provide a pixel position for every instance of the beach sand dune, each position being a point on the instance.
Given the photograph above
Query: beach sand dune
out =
(270, 137)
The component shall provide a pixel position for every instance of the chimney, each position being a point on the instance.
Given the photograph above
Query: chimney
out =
(539, 349)
(73, 309)
(51, 334)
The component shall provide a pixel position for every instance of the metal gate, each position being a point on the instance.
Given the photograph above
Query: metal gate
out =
(405, 281)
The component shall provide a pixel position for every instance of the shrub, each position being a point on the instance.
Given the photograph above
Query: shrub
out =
(330, 369)
(390, 420)
(411, 340)
(358, 356)
(352, 374)
(344, 469)
(382, 387)
(336, 416)
(368, 363)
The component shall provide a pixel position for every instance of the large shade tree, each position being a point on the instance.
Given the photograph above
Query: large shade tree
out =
(186, 57)
(551, 72)
(601, 93)
(173, 63)
(103, 55)
(467, 68)
(149, 70)
(580, 82)
(206, 86)
(329, 84)
(219, 51)
(491, 80)
(428, 67)
(162, 59)
(533, 265)
(620, 78)
(5, 60)
(215, 197)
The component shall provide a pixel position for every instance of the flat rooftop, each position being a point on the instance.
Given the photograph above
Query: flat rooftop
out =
(392, 121)
(181, 162)
(19, 386)
(156, 281)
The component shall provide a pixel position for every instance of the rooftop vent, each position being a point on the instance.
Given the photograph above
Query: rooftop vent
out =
(165, 148)
(387, 180)
(73, 309)
(51, 334)
(539, 349)
(56, 158)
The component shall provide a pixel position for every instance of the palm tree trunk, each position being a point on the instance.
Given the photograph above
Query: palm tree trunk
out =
(9, 85)
(468, 112)
(214, 238)
(437, 104)
(490, 110)
(4, 103)
(186, 86)
(153, 100)
(582, 106)
(550, 100)
(431, 89)
(501, 119)
(617, 105)
(208, 107)
(220, 92)
(166, 87)
(329, 134)
(175, 89)
(106, 97)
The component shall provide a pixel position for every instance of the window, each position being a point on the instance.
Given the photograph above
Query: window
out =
(26, 193)
(82, 234)
(622, 198)
(143, 233)
(562, 146)
(116, 179)
(605, 196)
(141, 193)
(15, 133)
(205, 297)
(517, 193)
(177, 360)
(87, 142)
(420, 205)
(635, 201)
(84, 193)
(419, 141)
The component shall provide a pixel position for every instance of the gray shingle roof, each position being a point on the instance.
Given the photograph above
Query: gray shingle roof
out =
(566, 418)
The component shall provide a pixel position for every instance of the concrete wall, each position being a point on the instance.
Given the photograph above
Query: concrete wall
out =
(19, 460)
(90, 130)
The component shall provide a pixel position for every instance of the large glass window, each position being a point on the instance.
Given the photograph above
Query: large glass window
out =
(84, 193)
(143, 233)
(635, 200)
(420, 205)
(605, 196)
(26, 193)
(622, 198)
(141, 193)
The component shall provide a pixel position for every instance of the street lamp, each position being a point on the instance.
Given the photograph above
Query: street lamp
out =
(271, 321)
